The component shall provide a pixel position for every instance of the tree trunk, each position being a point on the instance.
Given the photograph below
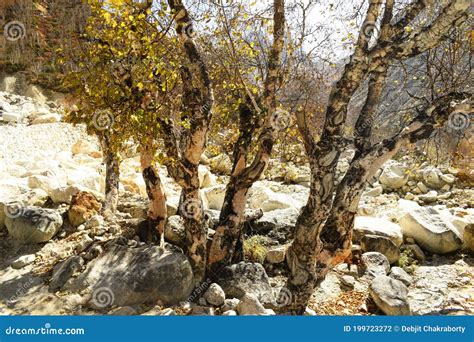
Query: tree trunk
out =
(157, 211)
(227, 244)
(112, 176)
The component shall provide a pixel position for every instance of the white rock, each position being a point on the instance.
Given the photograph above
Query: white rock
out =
(64, 194)
(366, 225)
(268, 200)
(374, 192)
(215, 196)
(448, 178)
(250, 305)
(214, 295)
(23, 261)
(390, 295)
(12, 117)
(432, 177)
(431, 230)
(83, 146)
(394, 175)
(206, 178)
(47, 118)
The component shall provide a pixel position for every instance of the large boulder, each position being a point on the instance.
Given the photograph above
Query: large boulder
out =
(365, 225)
(394, 175)
(390, 296)
(469, 237)
(131, 276)
(431, 230)
(32, 224)
(246, 278)
(266, 199)
(381, 244)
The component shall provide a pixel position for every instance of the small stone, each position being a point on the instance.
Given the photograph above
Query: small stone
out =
(276, 255)
(124, 311)
(199, 310)
(250, 305)
(381, 244)
(309, 312)
(23, 261)
(229, 313)
(417, 252)
(374, 264)
(230, 304)
(399, 274)
(348, 281)
(215, 295)
(448, 178)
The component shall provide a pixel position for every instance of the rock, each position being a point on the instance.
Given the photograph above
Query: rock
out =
(374, 264)
(221, 164)
(394, 175)
(23, 261)
(174, 230)
(45, 183)
(297, 174)
(124, 311)
(246, 278)
(229, 313)
(448, 178)
(381, 244)
(83, 146)
(230, 304)
(215, 196)
(64, 194)
(83, 206)
(63, 271)
(13, 117)
(309, 312)
(348, 281)
(390, 296)
(415, 250)
(432, 177)
(32, 224)
(46, 118)
(214, 295)
(276, 255)
(399, 274)
(422, 187)
(431, 230)
(469, 237)
(89, 179)
(429, 197)
(374, 192)
(129, 276)
(277, 224)
(366, 225)
(268, 200)
(250, 305)
(206, 178)
(200, 310)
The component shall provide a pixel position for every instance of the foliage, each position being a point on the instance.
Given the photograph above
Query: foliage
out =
(255, 248)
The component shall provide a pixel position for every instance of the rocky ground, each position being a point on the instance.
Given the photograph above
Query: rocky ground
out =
(414, 235)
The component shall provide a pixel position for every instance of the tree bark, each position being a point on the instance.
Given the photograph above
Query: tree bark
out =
(197, 101)
(227, 244)
(157, 211)
(322, 236)
(112, 176)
